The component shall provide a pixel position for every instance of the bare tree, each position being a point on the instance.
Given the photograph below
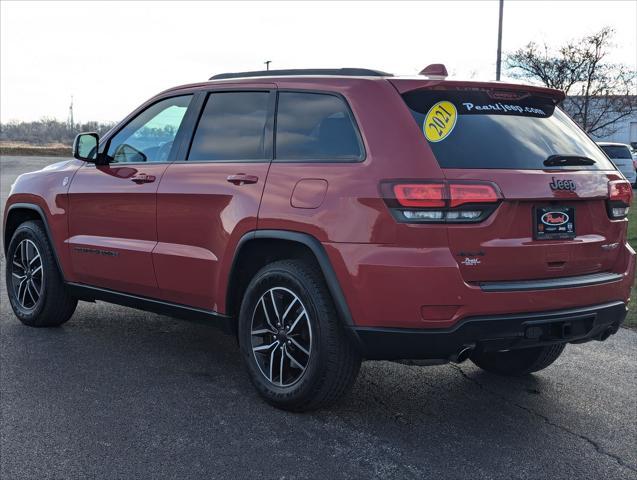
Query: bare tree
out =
(48, 130)
(600, 93)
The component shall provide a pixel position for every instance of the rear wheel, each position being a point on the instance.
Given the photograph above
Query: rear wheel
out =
(294, 346)
(35, 287)
(518, 362)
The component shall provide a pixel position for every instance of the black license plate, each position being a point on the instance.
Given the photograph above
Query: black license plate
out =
(554, 223)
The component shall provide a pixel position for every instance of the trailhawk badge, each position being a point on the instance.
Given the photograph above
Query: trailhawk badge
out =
(471, 262)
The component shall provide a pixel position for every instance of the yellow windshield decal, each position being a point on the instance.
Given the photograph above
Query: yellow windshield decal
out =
(440, 120)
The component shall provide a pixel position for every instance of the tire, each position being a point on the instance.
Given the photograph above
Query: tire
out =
(37, 293)
(298, 381)
(518, 362)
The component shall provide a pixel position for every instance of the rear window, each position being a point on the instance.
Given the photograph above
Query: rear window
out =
(617, 151)
(471, 129)
(315, 126)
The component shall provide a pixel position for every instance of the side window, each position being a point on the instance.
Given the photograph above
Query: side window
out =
(150, 135)
(314, 126)
(232, 127)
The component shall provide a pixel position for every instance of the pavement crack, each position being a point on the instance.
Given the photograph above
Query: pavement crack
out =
(546, 419)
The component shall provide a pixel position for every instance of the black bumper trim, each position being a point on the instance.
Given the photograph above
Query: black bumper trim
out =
(503, 332)
(551, 283)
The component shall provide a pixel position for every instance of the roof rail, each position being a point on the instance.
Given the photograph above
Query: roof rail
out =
(348, 72)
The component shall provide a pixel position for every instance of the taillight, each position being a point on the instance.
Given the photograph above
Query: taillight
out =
(422, 195)
(441, 201)
(461, 193)
(620, 194)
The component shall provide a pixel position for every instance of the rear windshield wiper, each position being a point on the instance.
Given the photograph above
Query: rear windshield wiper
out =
(567, 160)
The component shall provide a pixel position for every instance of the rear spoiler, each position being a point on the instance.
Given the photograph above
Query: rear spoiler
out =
(408, 84)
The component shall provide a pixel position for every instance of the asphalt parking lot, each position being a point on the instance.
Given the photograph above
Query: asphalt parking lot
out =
(117, 393)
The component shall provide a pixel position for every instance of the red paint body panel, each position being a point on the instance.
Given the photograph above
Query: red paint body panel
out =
(113, 227)
(508, 232)
(47, 189)
(200, 219)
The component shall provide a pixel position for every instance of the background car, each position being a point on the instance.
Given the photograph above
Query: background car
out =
(621, 156)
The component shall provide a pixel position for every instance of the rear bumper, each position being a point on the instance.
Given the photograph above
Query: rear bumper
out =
(502, 332)
(392, 287)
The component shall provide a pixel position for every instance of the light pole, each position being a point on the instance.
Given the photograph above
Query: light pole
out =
(499, 60)
(267, 64)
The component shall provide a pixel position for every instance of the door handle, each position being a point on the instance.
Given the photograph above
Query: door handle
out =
(143, 178)
(242, 179)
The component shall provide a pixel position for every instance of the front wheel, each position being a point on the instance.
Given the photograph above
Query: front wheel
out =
(518, 362)
(35, 286)
(295, 349)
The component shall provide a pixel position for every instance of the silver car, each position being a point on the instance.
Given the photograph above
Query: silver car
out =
(621, 156)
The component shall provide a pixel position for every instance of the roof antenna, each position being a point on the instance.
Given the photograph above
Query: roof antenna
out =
(267, 64)
(435, 71)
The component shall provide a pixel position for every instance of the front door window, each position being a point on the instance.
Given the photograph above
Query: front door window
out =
(149, 137)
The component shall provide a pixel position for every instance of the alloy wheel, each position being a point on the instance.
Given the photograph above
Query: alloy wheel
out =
(27, 274)
(281, 336)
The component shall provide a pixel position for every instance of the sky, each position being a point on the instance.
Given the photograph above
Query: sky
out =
(112, 56)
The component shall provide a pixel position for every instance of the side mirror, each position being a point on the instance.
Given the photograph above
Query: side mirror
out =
(85, 146)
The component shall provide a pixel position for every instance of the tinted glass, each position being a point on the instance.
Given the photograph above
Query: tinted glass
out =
(617, 151)
(232, 127)
(315, 127)
(149, 136)
(474, 130)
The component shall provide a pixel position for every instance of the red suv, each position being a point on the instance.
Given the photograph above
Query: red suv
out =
(330, 216)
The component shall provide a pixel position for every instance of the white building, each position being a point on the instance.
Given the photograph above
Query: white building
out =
(624, 131)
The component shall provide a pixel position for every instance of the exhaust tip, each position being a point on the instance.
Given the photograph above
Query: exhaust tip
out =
(463, 354)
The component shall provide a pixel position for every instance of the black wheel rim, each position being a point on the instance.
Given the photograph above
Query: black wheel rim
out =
(27, 274)
(281, 337)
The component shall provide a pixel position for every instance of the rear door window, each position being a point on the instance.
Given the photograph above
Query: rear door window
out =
(315, 126)
(472, 129)
(232, 127)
